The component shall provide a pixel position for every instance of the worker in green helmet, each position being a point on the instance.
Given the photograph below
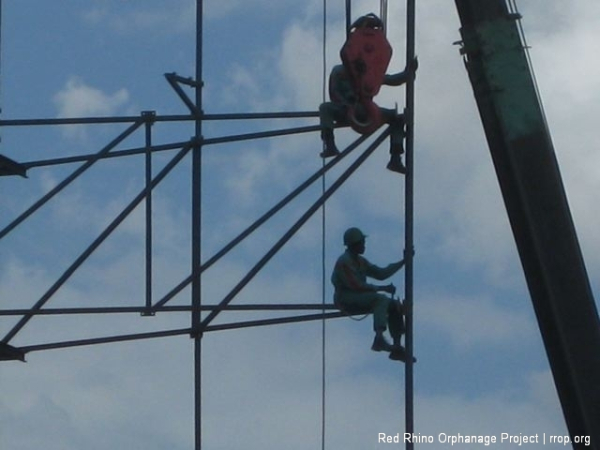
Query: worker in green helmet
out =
(353, 294)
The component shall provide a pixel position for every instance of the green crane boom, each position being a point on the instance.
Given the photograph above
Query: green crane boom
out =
(537, 207)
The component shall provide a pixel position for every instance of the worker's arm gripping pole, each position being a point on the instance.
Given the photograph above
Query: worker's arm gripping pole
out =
(409, 238)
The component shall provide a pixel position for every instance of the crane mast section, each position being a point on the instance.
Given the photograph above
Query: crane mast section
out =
(537, 206)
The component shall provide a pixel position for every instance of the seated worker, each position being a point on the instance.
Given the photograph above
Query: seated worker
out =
(345, 98)
(354, 295)
(336, 111)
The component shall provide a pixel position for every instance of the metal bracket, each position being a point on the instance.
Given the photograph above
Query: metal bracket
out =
(175, 81)
(10, 167)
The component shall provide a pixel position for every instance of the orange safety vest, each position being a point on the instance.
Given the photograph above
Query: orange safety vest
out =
(366, 55)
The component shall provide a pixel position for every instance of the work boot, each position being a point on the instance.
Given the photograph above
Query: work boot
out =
(380, 344)
(329, 148)
(396, 164)
(398, 353)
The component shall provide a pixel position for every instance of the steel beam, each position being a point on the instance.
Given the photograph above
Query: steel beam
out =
(196, 291)
(172, 146)
(94, 245)
(148, 212)
(17, 353)
(294, 229)
(260, 221)
(68, 180)
(536, 202)
(159, 118)
(165, 309)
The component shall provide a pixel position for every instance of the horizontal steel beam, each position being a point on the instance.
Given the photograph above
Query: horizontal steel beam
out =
(295, 227)
(260, 221)
(171, 146)
(94, 245)
(177, 332)
(157, 118)
(169, 308)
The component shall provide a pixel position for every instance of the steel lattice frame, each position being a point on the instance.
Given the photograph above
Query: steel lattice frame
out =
(193, 147)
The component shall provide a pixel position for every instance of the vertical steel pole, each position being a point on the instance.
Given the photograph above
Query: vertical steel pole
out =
(1, 61)
(323, 240)
(383, 14)
(409, 115)
(196, 233)
(149, 120)
(0, 53)
(348, 17)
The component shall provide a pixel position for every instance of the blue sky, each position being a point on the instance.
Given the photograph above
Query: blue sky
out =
(482, 367)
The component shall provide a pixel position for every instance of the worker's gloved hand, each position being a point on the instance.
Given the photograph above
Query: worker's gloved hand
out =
(406, 253)
(412, 66)
(390, 288)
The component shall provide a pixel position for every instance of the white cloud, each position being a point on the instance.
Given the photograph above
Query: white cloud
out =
(144, 17)
(78, 99)
(493, 414)
(23, 281)
(473, 323)
(301, 64)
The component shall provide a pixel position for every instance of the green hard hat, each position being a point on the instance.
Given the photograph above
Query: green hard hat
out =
(353, 235)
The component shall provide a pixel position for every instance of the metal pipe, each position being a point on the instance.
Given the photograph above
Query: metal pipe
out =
(275, 321)
(173, 80)
(69, 179)
(197, 233)
(148, 173)
(270, 213)
(159, 118)
(178, 332)
(104, 340)
(272, 115)
(383, 14)
(409, 116)
(116, 154)
(176, 308)
(108, 230)
(288, 235)
(175, 145)
(86, 120)
(261, 134)
(348, 17)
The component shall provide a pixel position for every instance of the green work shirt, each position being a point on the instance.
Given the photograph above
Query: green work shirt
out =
(350, 273)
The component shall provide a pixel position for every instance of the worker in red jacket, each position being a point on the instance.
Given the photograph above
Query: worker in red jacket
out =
(353, 294)
(353, 84)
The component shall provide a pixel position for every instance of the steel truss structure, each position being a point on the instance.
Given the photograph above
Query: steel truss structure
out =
(192, 148)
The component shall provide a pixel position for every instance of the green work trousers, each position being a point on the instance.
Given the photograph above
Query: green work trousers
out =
(386, 313)
(331, 113)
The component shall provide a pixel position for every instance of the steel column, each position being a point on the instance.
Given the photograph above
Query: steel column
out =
(409, 116)
(260, 221)
(197, 233)
(148, 115)
(94, 245)
(294, 229)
